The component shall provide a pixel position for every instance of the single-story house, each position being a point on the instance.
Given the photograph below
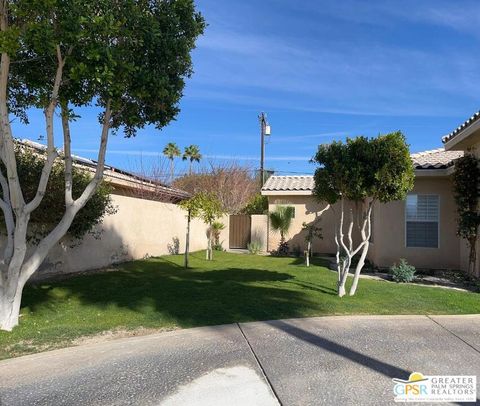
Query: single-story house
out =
(421, 229)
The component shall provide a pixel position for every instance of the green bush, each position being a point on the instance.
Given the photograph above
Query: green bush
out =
(218, 247)
(254, 247)
(52, 208)
(403, 272)
(258, 204)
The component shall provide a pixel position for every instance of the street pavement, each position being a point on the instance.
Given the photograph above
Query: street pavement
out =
(340, 360)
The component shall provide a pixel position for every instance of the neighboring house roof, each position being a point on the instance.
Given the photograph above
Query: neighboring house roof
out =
(461, 127)
(136, 185)
(291, 183)
(435, 159)
(303, 184)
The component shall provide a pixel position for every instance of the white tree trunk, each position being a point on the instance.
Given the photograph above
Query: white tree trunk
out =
(187, 240)
(345, 246)
(10, 299)
(209, 248)
(365, 232)
(309, 249)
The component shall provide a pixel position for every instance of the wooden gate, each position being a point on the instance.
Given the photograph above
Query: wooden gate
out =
(240, 225)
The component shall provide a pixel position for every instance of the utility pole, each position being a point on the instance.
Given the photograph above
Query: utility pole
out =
(264, 131)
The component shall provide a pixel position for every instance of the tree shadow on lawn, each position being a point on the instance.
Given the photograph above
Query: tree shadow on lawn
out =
(161, 289)
(315, 287)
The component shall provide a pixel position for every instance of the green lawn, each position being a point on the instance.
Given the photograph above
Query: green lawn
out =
(159, 293)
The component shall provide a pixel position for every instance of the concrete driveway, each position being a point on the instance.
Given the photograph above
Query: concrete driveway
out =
(324, 360)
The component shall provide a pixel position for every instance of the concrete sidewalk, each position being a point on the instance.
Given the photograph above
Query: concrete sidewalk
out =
(312, 361)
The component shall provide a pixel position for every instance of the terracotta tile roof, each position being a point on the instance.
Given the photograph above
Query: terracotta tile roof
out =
(433, 159)
(293, 183)
(461, 127)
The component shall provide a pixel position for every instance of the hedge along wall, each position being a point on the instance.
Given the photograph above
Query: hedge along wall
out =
(139, 229)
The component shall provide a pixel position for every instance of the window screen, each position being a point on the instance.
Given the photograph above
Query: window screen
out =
(422, 216)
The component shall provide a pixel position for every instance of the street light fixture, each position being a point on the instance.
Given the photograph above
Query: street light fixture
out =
(265, 130)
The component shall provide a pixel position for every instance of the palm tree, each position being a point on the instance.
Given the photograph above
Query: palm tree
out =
(216, 229)
(171, 151)
(281, 220)
(192, 153)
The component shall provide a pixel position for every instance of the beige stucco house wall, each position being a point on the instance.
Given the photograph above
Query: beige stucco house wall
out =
(388, 244)
(389, 228)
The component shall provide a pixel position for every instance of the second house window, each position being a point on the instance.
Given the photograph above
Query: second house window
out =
(422, 218)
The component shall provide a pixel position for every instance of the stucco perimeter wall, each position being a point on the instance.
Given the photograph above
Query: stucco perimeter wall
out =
(139, 229)
(389, 230)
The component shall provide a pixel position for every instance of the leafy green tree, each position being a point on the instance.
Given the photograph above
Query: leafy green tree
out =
(312, 231)
(281, 220)
(192, 154)
(258, 204)
(129, 58)
(171, 151)
(208, 208)
(361, 171)
(466, 183)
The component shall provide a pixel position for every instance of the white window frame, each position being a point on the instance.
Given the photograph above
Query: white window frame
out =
(424, 221)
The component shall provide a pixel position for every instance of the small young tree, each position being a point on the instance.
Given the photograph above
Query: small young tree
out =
(360, 172)
(206, 207)
(466, 183)
(192, 154)
(128, 58)
(312, 232)
(171, 151)
(281, 220)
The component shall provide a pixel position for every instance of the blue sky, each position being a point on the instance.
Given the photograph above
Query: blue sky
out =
(321, 70)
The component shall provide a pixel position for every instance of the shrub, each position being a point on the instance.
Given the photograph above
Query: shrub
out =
(258, 204)
(50, 211)
(218, 247)
(254, 247)
(282, 250)
(403, 272)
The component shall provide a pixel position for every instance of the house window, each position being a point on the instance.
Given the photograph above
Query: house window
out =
(422, 221)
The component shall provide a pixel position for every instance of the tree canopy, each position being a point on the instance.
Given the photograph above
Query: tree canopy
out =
(363, 170)
(379, 168)
(232, 184)
(135, 54)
